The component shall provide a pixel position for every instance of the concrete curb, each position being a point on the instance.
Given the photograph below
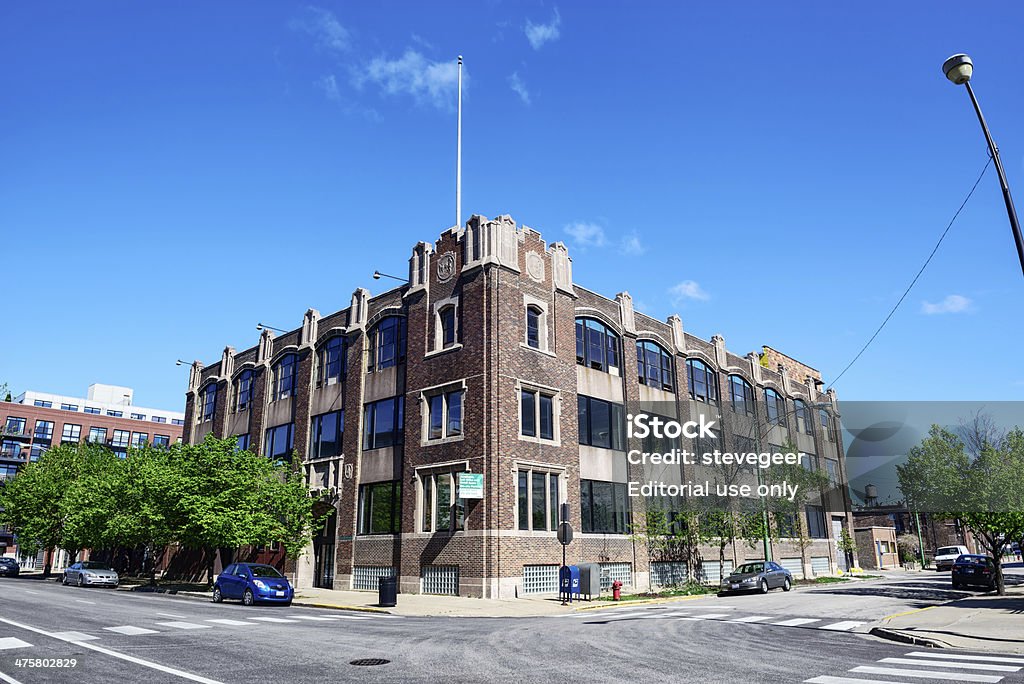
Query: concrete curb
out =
(904, 638)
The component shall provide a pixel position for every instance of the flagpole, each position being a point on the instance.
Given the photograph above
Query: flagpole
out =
(458, 156)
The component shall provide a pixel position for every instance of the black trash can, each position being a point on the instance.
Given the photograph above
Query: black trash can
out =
(387, 592)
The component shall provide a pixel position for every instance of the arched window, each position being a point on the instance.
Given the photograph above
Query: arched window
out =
(209, 401)
(243, 391)
(654, 365)
(597, 346)
(775, 405)
(332, 362)
(803, 422)
(449, 327)
(284, 378)
(387, 340)
(703, 381)
(742, 395)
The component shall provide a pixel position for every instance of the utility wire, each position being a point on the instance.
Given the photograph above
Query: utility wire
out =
(914, 281)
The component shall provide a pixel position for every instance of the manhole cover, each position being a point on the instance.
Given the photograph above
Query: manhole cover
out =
(369, 662)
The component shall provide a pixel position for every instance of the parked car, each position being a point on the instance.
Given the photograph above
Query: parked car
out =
(9, 567)
(947, 555)
(973, 570)
(252, 583)
(90, 573)
(758, 577)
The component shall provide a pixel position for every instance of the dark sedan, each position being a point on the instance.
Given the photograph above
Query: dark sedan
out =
(758, 577)
(9, 567)
(977, 571)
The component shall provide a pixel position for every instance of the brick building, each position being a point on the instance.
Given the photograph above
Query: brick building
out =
(475, 366)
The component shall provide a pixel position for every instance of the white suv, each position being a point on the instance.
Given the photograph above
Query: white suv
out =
(947, 555)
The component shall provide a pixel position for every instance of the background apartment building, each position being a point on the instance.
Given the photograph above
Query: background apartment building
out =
(492, 361)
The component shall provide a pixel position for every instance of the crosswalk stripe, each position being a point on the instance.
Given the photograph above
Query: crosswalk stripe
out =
(273, 619)
(231, 623)
(315, 617)
(928, 674)
(73, 636)
(796, 622)
(951, 663)
(707, 616)
(12, 642)
(825, 679)
(948, 656)
(751, 618)
(129, 630)
(183, 625)
(843, 626)
(353, 617)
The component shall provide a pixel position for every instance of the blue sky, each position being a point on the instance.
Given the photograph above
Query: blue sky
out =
(775, 172)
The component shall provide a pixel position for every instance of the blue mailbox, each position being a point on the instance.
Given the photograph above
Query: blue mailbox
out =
(569, 582)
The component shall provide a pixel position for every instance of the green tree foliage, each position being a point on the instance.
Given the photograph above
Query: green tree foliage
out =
(984, 489)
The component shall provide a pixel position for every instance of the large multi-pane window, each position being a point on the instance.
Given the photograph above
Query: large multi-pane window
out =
(15, 426)
(826, 425)
(10, 448)
(209, 403)
(449, 326)
(533, 318)
(387, 343)
(742, 395)
(97, 435)
(141, 416)
(92, 410)
(539, 494)
(161, 441)
(832, 469)
(775, 405)
(604, 507)
(703, 381)
(69, 407)
(803, 420)
(597, 346)
(816, 528)
(380, 508)
(444, 415)
(37, 451)
(43, 431)
(383, 423)
(654, 366)
(71, 433)
(440, 510)
(115, 414)
(120, 439)
(279, 442)
(602, 423)
(243, 441)
(326, 433)
(177, 421)
(537, 414)
(284, 377)
(243, 391)
(43, 403)
(139, 439)
(332, 362)
(159, 419)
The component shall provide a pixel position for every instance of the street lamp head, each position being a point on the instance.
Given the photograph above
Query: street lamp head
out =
(178, 362)
(958, 69)
(376, 275)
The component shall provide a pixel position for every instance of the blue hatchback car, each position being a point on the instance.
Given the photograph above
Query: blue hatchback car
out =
(252, 583)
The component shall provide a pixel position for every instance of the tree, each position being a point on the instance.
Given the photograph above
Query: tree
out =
(807, 484)
(983, 488)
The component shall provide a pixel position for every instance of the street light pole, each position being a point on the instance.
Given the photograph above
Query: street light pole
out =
(959, 69)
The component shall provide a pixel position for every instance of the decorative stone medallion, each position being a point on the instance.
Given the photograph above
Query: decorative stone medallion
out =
(535, 266)
(446, 267)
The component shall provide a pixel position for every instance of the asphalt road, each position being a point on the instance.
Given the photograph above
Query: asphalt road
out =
(134, 637)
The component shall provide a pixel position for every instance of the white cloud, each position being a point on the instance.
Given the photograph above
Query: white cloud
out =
(688, 290)
(517, 85)
(631, 244)
(538, 34)
(954, 303)
(586, 235)
(325, 29)
(415, 75)
(329, 85)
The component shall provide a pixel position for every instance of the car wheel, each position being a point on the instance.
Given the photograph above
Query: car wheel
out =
(956, 585)
(248, 598)
(217, 596)
(787, 585)
(81, 581)
(288, 603)
(764, 586)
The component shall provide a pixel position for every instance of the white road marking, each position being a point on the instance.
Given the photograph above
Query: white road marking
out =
(751, 618)
(29, 591)
(928, 674)
(950, 663)
(172, 615)
(12, 642)
(707, 616)
(91, 603)
(121, 656)
(232, 623)
(131, 631)
(73, 636)
(674, 613)
(9, 680)
(843, 626)
(183, 625)
(356, 617)
(946, 656)
(315, 617)
(825, 679)
(796, 622)
(273, 619)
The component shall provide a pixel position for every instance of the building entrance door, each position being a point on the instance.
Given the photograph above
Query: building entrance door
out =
(837, 535)
(323, 554)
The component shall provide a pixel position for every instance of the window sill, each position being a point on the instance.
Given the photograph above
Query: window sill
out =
(545, 352)
(442, 440)
(438, 352)
(541, 440)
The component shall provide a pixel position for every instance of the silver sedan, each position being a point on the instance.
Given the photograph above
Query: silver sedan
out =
(90, 573)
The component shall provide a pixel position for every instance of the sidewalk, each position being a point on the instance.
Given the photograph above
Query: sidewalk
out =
(980, 623)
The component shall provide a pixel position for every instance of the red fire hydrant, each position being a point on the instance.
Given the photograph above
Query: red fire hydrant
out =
(616, 590)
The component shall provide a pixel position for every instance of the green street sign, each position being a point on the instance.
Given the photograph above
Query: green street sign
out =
(471, 485)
